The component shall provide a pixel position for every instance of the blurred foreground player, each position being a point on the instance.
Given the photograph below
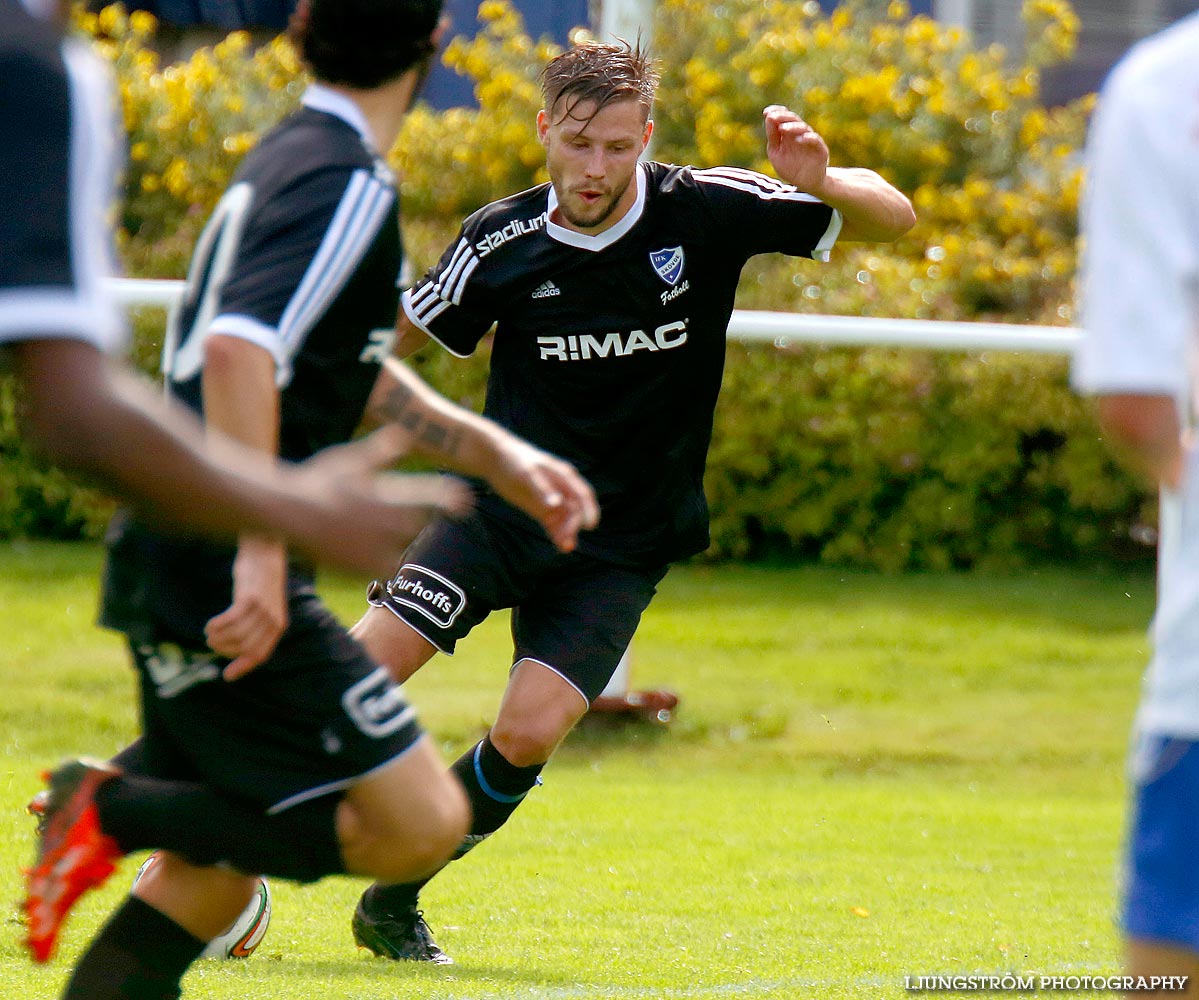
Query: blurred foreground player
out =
(58, 156)
(1140, 314)
(611, 289)
(272, 744)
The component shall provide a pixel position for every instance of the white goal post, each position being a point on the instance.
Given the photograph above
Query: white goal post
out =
(785, 328)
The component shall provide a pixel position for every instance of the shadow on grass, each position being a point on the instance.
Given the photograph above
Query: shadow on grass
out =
(460, 974)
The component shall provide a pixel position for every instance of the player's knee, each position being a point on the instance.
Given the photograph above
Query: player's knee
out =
(203, 900)
(403, 845)
(528, 742)
(437, 843)
(423, 850)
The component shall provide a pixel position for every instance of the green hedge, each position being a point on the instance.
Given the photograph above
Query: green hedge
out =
(912, 459)
(890, 458)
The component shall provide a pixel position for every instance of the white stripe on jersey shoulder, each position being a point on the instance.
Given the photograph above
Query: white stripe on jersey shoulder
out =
(584, 241)
(420, 319)
(452, 281)
(364, 208)
(752, 182)
(212, 259)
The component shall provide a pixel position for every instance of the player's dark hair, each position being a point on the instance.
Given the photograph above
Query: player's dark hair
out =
(364, 43)
(594, 71)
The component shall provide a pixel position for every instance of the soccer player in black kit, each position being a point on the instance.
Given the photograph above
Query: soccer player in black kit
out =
(610, 290)
(272, 743)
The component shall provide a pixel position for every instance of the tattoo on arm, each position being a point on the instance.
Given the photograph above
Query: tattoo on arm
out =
(430, 430)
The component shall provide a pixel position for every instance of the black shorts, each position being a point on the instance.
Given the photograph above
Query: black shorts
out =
(313, 719)
(571, 612)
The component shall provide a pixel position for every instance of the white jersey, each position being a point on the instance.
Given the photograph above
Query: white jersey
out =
(1140, 311)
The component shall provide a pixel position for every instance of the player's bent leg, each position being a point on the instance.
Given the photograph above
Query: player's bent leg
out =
(403, 821)
(540, 707)
(203, 901)
(177, 906)
(392, 643)
(401, 825)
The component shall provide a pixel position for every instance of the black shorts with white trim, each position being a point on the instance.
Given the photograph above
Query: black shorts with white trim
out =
(312, 720)
(571, 612)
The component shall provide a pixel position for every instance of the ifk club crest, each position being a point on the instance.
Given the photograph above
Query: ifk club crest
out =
(668, 262)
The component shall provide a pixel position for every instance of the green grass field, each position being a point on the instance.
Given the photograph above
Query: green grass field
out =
(868, 777)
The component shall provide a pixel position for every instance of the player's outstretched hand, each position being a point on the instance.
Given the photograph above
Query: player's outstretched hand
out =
(797, 151)
(547, 489)
(360, 518)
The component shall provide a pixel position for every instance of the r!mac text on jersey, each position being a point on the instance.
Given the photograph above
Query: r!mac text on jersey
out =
(617, 345)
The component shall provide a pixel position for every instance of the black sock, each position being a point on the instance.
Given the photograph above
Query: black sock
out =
(140, 954)
(495, 788)
(190, 819)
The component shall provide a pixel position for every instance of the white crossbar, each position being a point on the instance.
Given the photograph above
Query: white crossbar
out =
(781, 328)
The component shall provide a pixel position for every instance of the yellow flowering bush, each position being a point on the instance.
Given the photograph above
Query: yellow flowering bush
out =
(994, 175)
(455, 161)
(188, 126)
(885, 457)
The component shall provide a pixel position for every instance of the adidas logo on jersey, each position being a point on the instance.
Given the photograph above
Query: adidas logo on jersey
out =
(546, 289)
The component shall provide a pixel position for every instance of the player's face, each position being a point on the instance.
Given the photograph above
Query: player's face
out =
(591, 161)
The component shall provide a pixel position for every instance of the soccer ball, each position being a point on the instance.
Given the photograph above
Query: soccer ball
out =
(241, 937)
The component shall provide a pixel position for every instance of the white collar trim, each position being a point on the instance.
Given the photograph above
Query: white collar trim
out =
(600, 241)
(321, 98)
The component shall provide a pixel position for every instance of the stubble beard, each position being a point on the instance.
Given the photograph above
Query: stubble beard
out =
(603, 211)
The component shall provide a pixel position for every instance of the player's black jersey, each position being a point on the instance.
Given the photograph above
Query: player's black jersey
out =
(302, 257)
(609, 349)
(58, 144)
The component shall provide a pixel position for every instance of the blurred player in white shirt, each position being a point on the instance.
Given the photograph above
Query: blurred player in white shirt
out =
(1140, 224)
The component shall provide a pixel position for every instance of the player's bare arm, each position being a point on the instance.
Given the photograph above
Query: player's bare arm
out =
(873, 210)
(409, 337)
(546, 488)
(1145, 429)
(241, 401)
